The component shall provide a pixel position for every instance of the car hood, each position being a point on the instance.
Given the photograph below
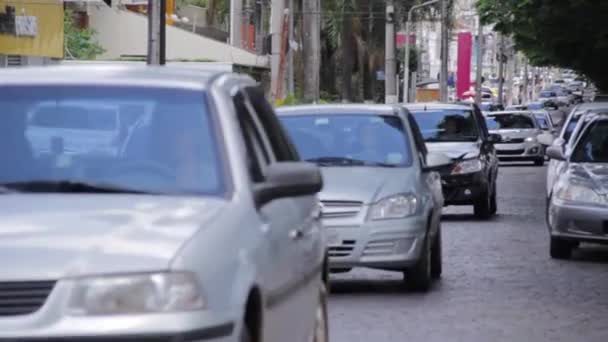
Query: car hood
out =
(56, 236)
(365, 184)
(456, 150)
(595, 174)
(516, 133)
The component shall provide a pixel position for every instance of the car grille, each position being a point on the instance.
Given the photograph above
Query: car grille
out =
(22, 298)
(339, 209)
(343, 250)
(509, 152)
(513, 141)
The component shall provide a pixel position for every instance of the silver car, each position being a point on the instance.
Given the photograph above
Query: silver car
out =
(519, 131)
(382, 199)
(203, 228)
(577, 209)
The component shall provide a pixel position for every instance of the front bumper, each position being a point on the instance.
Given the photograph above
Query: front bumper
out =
(520, 151)
(577, 222)
(389, 244)
(463, 189)
(50, 323)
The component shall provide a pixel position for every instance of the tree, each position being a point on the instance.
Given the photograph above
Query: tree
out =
(79, 43)
(566, 33)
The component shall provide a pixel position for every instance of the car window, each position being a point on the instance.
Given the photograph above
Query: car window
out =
(593, 144)
(61, 133)
(542, 122)
(569, 129)
(447, 125)
(350, 140)
(510, 121)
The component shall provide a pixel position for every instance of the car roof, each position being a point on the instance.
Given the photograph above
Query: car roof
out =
(110, 75)
(436, 105)
(337, 109)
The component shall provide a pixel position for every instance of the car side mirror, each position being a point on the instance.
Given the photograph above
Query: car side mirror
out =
(494, 138)
(546, 139)
(436, 161)
(288, 179)
(555, 152)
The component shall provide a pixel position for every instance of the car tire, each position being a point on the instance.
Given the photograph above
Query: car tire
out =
(539, 161)
(482, 207)
(493, 201)
(561, 249)
(418, 278)
(437, 256)
(321, 329)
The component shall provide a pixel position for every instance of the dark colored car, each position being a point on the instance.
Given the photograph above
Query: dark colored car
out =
(460, 131)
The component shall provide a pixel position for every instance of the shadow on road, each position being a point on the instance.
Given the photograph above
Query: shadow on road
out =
(591, 254)
(519, 164)
(466, 217)
(379, 287)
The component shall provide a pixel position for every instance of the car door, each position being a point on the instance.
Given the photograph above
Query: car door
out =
(307, 232)
(487, 149)
(279, 219)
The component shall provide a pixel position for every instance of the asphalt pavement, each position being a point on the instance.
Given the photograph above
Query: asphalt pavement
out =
(499, 283)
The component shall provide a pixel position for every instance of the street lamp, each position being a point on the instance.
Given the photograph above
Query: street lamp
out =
(406, 63)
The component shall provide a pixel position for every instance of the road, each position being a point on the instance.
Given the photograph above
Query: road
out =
(499, 283)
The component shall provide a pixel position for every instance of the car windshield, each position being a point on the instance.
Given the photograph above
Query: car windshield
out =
(510, 121)
(164, 142)
(350, 140)
(546, 94)
(593, 145)
(447, 125)
(534, 106)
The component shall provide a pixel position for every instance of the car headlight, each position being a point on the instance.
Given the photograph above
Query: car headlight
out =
(135, 294)
(394, 207)
(579, 193)
(467, 166)
(530, 139)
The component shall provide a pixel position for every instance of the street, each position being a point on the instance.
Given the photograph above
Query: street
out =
(498, 284)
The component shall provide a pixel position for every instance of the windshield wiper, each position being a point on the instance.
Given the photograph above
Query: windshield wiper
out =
(67, 186)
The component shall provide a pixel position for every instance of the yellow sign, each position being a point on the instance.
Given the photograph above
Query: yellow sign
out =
(31, 28)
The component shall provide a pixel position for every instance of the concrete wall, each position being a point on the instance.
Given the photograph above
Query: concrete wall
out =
(122, 32)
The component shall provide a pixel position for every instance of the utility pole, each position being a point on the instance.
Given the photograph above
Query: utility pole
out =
(390, 69)
(480, 43)
(311, 48)
(277, 11)
(291, 88)
(156, 32)
(236, 23)
(443, 74)
(501, 70)
(525, 98)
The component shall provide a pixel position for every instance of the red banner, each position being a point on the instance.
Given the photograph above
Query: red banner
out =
(465, 46)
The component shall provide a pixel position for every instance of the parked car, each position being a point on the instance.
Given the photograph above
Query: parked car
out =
(545, 121)
(382, 198)
(577, 209)
(460, 131)
(564, 139)
(519, 131)
(205, 227)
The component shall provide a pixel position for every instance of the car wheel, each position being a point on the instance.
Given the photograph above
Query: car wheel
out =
(418, 278)
(321, 332)
(493, 202)
(561, 249)
(437, 256)
(539, 161)
(482, 206)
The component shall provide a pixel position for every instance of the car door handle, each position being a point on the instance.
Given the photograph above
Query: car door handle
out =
(296, 234)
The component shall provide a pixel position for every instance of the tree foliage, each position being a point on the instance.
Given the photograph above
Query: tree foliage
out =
(79, 43)
(565, 33)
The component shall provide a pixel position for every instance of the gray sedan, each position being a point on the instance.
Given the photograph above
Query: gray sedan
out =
(382, 199)
(577, 209)
(201, 226)
(519, 131)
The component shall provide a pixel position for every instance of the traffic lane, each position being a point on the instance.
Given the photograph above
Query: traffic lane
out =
(498, 284)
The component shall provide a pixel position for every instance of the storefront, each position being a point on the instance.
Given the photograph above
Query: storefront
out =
(31, 32)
